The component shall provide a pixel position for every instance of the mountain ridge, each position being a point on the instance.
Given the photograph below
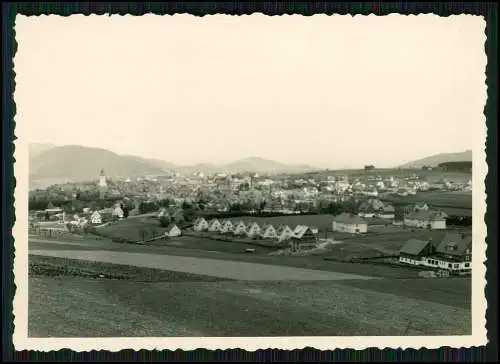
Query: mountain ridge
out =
(79, 163)
(75, 162)
(436, 159)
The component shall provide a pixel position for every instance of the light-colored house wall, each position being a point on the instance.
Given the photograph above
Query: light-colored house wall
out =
(349, 228)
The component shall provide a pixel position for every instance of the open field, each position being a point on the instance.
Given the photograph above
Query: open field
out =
(109, 308)
(46, 266)
(131, 228)
(191, 242)
(170, 301)
(451, 199)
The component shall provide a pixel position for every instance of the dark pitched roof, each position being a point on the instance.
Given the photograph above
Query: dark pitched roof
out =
(346, 218)
(455, 244)
(414, 247)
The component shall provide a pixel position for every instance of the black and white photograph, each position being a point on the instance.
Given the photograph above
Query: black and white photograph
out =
(186, 182)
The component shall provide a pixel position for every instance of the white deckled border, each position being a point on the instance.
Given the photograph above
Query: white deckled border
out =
(20, 233)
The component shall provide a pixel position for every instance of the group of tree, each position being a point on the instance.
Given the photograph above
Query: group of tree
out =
(74, 205)
(147, 207)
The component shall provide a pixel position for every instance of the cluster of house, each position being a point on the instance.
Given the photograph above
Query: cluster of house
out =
(376, 208)
(299, 238)
(416, 216)
(423, 216)
(97, 217)
(452, 254)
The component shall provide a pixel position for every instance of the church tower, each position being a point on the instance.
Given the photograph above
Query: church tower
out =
(102, 185)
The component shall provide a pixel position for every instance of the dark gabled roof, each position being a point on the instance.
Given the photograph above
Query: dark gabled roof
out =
(414, 247)
(346, 218)
(455, 244)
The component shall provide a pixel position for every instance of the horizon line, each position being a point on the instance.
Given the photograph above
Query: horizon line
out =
(312, 166)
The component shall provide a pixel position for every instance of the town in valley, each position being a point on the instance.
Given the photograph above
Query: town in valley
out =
(396, 225)
(255, 176)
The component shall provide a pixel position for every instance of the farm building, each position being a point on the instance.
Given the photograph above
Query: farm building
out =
(253, 229)
(305, 233)
(435, 220)
(268, 232)
(303, 239)
(240, 228)
(96, 218)
(284, 232)
(415, 251)
(200, 224)
(226, 227)
(173, 231)
(452, 254)
(349, 223)
(455, 252)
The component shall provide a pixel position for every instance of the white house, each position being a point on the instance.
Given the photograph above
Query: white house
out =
(201, 225)
(349, 223)
(435, 220)
(226, 226)
(268, 232)
(253, 229)
(214, 225)
(96, 218)
(240, 228)
(118, 212)
(173, 231)
(284, 232)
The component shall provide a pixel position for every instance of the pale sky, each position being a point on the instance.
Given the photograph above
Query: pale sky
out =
(336, 92)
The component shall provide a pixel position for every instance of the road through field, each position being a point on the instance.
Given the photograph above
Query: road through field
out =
(261, 300)
(211, 267)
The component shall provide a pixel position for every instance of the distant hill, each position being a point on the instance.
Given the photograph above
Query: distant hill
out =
(58, 164)
(76, 163)
(260, 165)
(435, 160)
(250, 164)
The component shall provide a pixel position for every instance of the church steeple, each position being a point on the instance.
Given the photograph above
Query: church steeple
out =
(102, 181)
